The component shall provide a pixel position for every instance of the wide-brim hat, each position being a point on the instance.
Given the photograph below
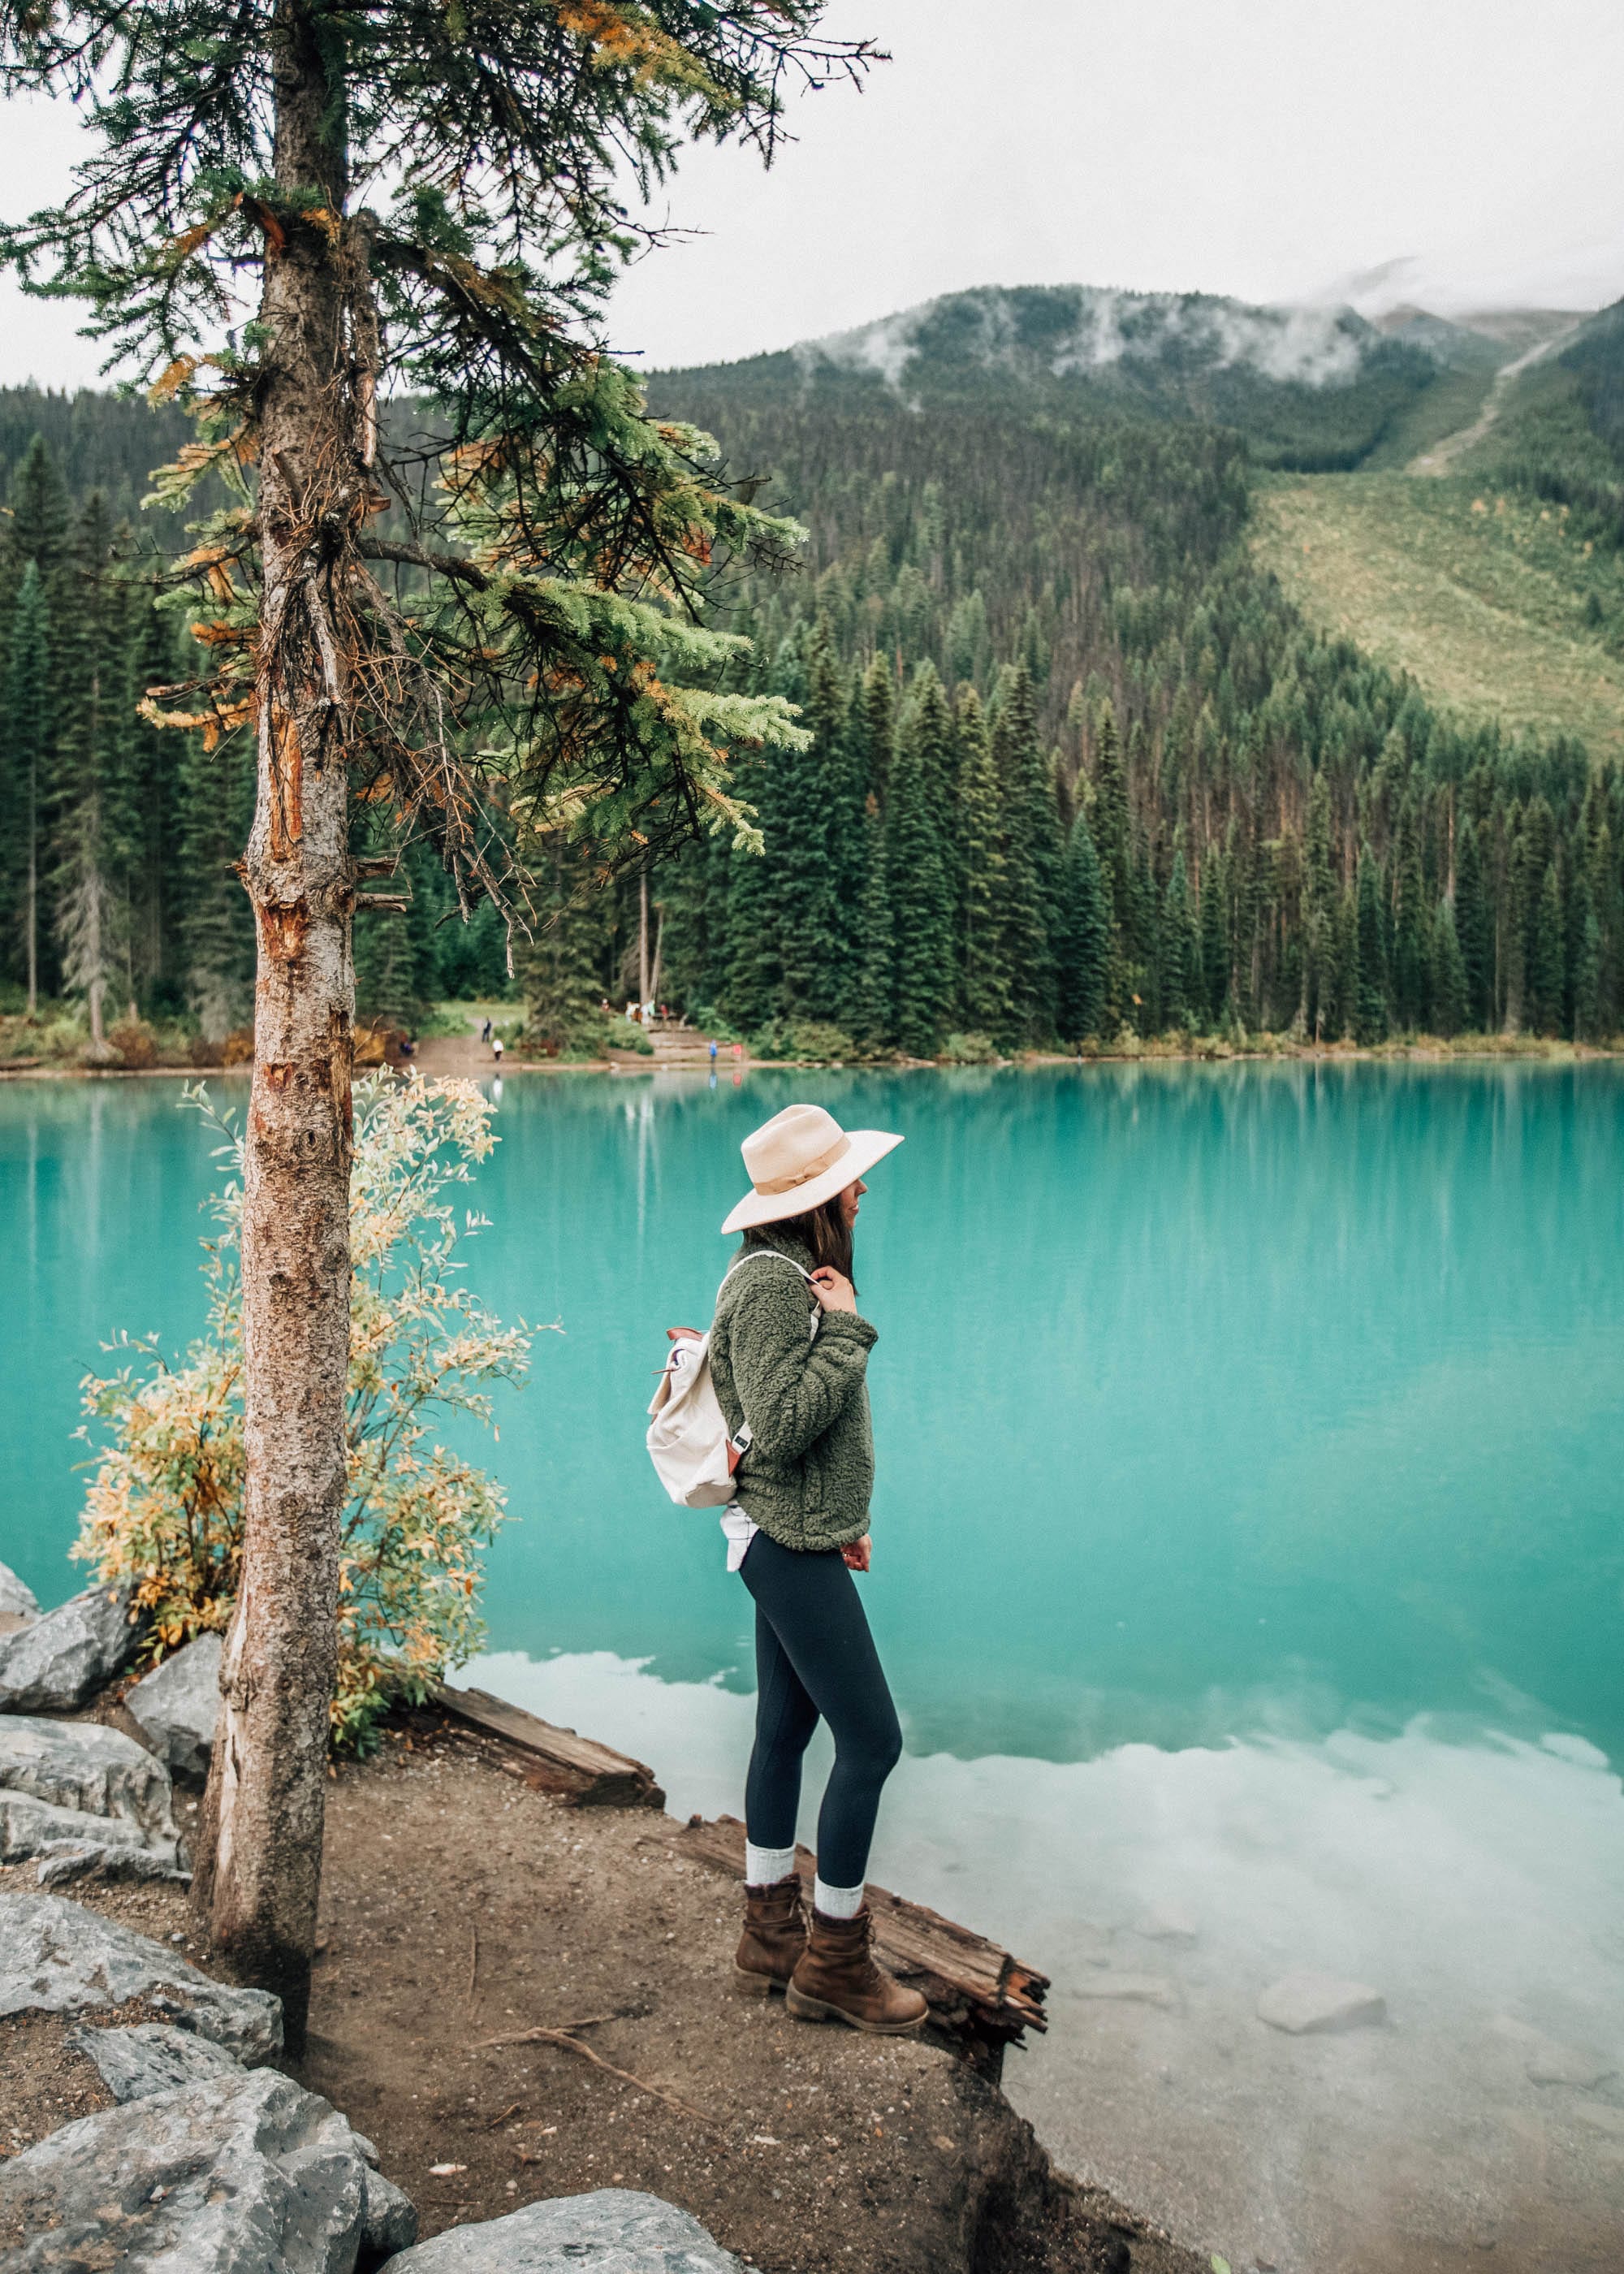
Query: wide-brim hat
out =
(799, 1159)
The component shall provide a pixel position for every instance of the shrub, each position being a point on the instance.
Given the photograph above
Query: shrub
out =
(588, 1033)
(710, 1022)
(806, 1041)
(165, 1506)
(969, 1049)
(135, 1042)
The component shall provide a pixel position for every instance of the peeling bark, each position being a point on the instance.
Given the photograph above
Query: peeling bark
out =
(259, 1859)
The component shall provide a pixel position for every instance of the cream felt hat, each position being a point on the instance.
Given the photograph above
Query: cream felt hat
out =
(799, 1159)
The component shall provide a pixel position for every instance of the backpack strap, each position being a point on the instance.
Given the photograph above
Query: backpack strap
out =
(751, 1254)
(744, 1437)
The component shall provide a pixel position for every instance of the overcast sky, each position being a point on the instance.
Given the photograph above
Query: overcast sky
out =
(1268, 148)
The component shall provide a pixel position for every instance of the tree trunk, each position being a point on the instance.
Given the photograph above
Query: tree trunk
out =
(643, 940)
(660, 949)
(259, 1861)
(32, 919)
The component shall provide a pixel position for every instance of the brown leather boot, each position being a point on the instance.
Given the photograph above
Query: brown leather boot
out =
(838, 1981)
(774, 1937)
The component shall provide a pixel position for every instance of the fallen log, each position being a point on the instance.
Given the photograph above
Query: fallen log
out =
(576, 1769)
(979, 1994)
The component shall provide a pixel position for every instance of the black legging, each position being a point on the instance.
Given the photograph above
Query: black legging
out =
(815, 1655)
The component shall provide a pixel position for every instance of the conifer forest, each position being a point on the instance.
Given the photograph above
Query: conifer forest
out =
(1076, 766)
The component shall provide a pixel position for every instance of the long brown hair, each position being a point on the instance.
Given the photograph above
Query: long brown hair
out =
(824, 1231)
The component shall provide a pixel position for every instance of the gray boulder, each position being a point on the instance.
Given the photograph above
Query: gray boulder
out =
(80, 1797)
(152, 2057)
(69, 1845)
(613, 2231)
(176, 1706)
(19, 1606)
(53, 1664)
(236, 2175)
(57, 1957)
(390, 2224)
(83, 1766)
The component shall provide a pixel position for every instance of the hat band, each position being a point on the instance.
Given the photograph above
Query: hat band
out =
(769, 1187)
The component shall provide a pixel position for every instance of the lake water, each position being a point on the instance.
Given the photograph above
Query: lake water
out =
(1249, 1565)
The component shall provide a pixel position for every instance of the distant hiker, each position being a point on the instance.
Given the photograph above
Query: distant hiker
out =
(788, 1356)
(485, 1036)
(496, 1046)
(714, 1054)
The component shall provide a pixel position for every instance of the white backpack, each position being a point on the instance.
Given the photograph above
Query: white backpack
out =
(688, 1438)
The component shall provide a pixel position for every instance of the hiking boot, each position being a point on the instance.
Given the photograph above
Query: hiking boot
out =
(837, 1981)
(774, 1937)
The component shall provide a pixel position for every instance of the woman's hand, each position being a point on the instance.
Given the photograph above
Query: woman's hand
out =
(833, 1290)
(856, 1556)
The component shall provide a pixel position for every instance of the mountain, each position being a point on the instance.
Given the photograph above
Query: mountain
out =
(1312, 389)
(1085, 753)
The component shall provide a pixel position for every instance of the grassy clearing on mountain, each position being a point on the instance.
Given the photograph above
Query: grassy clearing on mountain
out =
(1498, 609)
(1452, 401)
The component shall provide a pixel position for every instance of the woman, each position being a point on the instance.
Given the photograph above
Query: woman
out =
(788, 1357)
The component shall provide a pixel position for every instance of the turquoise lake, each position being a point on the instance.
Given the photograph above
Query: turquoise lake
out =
(1249, 1562)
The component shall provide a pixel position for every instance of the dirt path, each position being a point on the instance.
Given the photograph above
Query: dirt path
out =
(1442, 457)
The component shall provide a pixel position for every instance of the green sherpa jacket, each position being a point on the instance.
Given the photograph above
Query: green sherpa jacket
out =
(807, 1477)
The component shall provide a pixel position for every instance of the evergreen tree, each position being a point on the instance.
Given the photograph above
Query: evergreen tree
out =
(561, 969)
(921, 893)
(1447, 980)
(752, 988)
(39, 522)
(1319, 898)
(1111, 812)
(1545, 972)
(214, 922)
(869, 1013)
(1112, 833)
(1473, 926)
(808, 852)
(1031, 859)
(1179, 973)
(93, 818)
(1411, 924)
(1587, 963)
(151, 924)
(26, 746)
(1369, 1017)
(984, 915)
(1214, 939)
(1085, 943)
(1347, 992)
(870, 1003)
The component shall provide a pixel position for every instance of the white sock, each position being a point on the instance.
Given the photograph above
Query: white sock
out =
(837, 1902)
(764, 1867)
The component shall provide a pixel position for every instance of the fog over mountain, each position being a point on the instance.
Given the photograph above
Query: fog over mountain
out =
(1314, 386)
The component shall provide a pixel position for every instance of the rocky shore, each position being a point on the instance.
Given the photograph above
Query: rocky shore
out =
(524, 2048)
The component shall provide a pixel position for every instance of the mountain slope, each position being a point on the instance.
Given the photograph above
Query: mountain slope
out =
(1310, 387)
(1493, 569)
(1480, 593)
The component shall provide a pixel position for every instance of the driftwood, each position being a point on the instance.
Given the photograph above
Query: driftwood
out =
(979, 1994)
(576, 1769)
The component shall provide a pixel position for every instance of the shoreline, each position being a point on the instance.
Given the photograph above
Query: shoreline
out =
(509, 1913)
(1486, 1049)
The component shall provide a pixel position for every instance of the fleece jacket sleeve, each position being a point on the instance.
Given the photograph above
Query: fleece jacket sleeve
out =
(791, 1388)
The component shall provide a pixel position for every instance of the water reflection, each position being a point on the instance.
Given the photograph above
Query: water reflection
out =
(1470, 1876)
